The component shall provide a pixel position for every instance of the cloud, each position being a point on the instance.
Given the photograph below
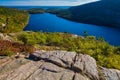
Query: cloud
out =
(44, 2)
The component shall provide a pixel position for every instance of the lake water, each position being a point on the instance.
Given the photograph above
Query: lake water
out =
(52, 23)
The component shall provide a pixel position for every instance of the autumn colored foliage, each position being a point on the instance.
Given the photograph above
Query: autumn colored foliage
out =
(12, 20)
(13, 47)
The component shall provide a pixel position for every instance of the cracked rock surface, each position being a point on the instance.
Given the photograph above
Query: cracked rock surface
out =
(56, 65)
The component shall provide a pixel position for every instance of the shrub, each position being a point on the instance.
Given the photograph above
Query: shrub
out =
(117, 50)
(97, 48)
(9, 48)
(9, 53)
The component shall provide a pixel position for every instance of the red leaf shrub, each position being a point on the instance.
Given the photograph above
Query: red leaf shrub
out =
(14, 47)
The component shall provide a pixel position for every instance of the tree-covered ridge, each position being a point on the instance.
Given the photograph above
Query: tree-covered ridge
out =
(36, 11)
(12, 20)
(65, 13)
(103, 13)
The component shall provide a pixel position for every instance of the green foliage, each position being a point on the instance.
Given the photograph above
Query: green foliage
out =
(32, 38)
(85, 33)
(100, 38)
(9, 53)
(12, 20)
(105, 54)
(117, 50)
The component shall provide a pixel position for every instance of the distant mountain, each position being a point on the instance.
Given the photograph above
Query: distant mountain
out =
(103, 13)
(35, 11)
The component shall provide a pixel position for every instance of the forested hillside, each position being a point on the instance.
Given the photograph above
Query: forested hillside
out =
(12, 20)
(103, 13)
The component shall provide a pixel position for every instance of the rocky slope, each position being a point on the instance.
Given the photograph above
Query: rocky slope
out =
(56, 65)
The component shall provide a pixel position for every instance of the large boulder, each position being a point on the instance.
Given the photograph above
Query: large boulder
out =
(78, 63)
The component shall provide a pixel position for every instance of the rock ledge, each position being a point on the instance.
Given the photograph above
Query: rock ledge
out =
(58, 65)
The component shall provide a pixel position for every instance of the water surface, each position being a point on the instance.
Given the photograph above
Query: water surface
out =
(52, 23)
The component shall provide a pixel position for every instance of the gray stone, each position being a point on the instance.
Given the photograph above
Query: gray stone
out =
(81, 63)
(87, 65)
(56, 65)
(110, 74)
(61, 58)
(80, 77)
(49, 71)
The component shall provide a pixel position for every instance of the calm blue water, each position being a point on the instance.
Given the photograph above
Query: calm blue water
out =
(52, 23)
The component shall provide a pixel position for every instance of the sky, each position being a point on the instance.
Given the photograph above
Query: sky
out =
(44, 2)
